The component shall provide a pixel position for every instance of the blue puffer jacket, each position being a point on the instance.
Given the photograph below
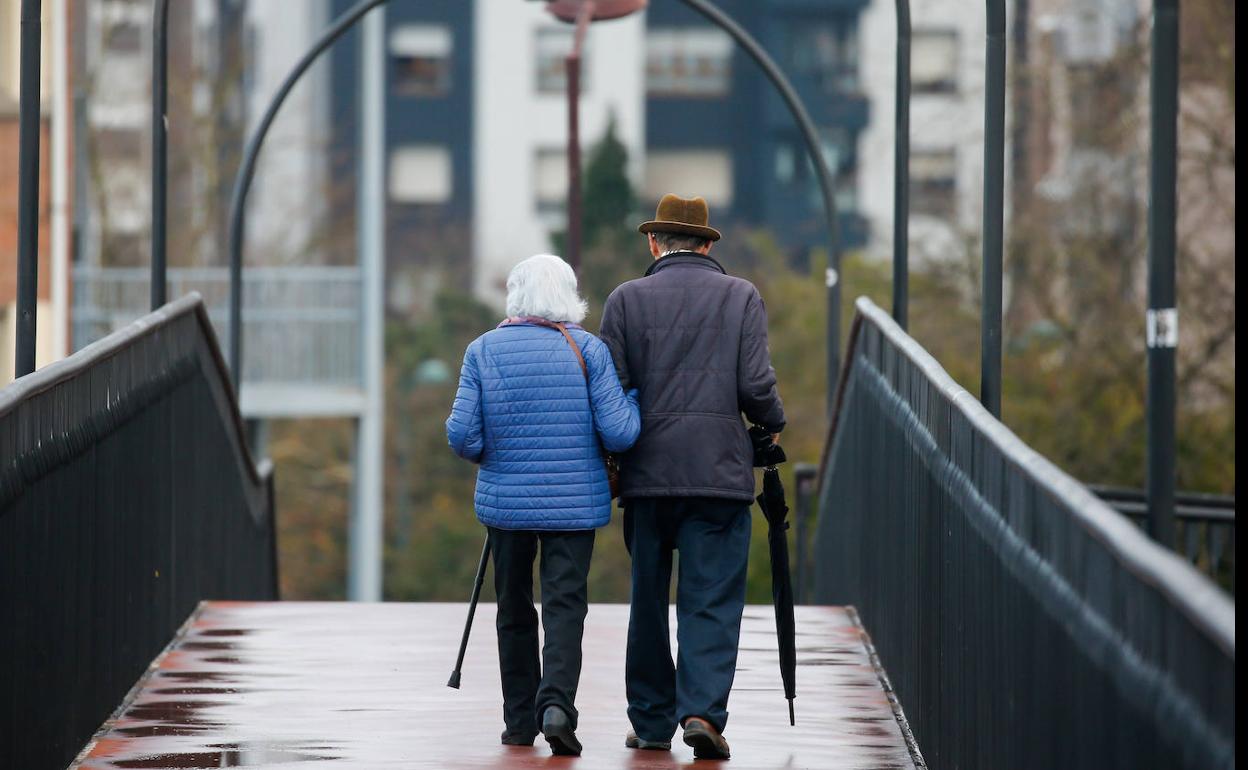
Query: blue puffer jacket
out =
(523, 412)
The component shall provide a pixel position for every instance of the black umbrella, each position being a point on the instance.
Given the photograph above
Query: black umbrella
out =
(768, 455)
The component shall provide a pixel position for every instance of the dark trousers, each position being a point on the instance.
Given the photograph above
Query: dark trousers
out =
(529, 687)
(713, 538)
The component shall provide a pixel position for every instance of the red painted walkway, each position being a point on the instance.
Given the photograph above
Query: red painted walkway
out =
(363, 686)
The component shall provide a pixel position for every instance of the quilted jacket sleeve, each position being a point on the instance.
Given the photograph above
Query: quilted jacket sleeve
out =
(756, 379)
(616, 416)
(464, 428)
(612, 332)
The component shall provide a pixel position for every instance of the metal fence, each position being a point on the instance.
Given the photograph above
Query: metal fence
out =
(301, 325)
(1023, 623)
(127, 495)
(1205, 527)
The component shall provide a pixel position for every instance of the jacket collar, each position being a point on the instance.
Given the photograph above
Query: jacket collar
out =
(692, 258)
(524, 320)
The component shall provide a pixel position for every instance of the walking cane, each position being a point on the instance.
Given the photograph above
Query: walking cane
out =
(472, 610)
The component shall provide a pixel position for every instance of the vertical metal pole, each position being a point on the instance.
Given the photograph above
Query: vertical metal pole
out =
(994, 210)
(832, 331)
(160, 151)
(804, 477)
(901, 171)
(573, 245)
(365, 575)
(28, 188)
(572, 69)
(1162, 320)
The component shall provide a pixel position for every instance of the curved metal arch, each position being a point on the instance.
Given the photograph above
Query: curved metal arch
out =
(247, 171)
(826, 185)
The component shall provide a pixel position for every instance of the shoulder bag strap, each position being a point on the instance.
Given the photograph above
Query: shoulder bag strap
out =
(580, 359)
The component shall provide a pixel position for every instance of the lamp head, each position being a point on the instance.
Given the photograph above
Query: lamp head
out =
(566, 10)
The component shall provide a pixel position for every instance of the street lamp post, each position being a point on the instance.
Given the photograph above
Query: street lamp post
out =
(581, 13)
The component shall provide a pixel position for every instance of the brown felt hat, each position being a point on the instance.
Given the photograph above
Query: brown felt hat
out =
(684, 216)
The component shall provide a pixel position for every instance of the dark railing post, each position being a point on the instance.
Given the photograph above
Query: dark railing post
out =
(804, 476)
(826, 186)
(160, 150)
(1162, 321)
(28, 188)
(994, 210)
(247, 170)
(901, 172)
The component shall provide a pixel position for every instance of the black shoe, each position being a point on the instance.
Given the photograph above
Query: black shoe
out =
(634, 741)
(706, 741)
(559, 734)
(518, 739)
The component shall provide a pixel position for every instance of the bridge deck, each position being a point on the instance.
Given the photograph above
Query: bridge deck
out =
(363, 686)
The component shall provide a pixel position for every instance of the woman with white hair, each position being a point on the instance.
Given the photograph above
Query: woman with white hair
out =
(538, 404)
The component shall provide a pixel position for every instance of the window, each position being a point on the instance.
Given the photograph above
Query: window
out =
(933, 183)
(554, 45)
(690, 172)
(934, 61)
(688, 61)
(125, 36)
(550, 181)
(421, 57)
(124, 26)
(825, 52)
(420, 174)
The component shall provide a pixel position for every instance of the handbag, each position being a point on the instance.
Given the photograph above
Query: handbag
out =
(610, 460)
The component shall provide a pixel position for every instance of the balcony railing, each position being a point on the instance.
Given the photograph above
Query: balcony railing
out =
(301, 325)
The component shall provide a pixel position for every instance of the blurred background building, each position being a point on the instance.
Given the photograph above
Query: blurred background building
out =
(476, 179)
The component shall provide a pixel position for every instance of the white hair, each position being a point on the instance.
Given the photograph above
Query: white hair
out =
(544, 286)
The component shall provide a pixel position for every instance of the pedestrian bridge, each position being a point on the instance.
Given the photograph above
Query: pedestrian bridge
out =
(364, 685)
(1022, 622)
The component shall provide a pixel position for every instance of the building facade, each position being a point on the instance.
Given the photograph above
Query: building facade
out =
(716, 126)
(696, 115)
(947, 60)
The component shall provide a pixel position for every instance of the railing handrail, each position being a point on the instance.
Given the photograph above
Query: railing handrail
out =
(76, 364)
(292, 272)
(1198, 598)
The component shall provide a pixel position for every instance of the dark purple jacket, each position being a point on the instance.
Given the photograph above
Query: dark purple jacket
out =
(693, 341)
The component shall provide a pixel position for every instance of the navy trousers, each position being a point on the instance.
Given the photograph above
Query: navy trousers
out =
(713, 538)
(529, 687)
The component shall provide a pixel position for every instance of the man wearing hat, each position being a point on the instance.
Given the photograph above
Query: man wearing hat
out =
(693, 341)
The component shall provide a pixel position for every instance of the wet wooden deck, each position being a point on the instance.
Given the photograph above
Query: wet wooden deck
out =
(364, 686)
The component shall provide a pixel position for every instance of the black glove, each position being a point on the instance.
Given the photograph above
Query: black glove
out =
(766, 452)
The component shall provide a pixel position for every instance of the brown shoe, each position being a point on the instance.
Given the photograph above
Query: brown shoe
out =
(706, 741)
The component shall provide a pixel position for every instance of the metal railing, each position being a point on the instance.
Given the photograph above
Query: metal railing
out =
(127, 496)
(1205, 525)
(302, 324)
(1023, 622)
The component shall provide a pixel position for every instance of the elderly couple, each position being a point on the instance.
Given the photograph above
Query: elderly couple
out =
(541, 402)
